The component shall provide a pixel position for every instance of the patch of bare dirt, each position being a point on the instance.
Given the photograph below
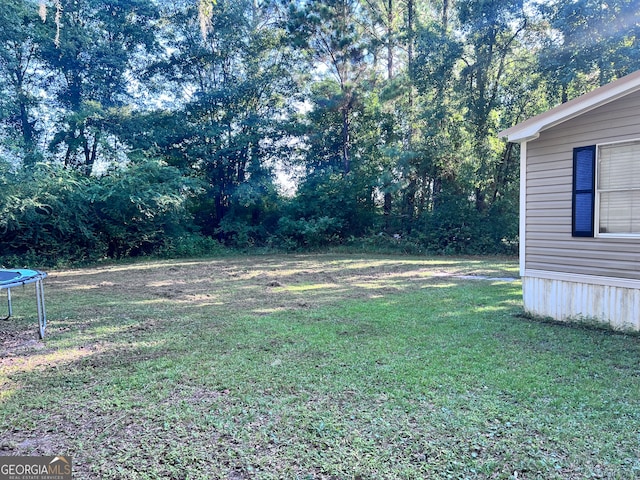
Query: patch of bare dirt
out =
(260, 285)
(14, 342)
(134, 301)
(256, 283)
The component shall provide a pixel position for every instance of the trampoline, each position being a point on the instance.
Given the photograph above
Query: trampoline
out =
(16, 278)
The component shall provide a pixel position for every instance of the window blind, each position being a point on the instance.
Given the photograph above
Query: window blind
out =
(619, 188)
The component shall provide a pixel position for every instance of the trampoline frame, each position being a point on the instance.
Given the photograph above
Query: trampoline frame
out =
(26, 277)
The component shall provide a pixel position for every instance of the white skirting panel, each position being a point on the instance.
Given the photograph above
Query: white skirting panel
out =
(616, 306)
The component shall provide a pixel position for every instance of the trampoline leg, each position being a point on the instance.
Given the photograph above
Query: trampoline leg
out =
(42, 314)
(8, 305)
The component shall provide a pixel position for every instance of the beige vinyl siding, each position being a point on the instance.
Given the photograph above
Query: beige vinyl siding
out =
(549, 245)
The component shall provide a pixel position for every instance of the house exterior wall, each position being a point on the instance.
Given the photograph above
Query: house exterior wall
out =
(549, 245)
(578, 300)
(571, 277)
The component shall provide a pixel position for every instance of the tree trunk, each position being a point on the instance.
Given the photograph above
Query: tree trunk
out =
(90, 152)
(345, 140)
(27, 136)
(390, 39)
(410, 204)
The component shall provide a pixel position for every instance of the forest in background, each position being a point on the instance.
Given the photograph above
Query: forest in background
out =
(137, 127)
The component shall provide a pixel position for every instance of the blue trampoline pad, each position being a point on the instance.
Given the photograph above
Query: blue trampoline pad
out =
(19, 277)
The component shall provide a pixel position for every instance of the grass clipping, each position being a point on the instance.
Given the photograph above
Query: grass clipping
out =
(314, 367)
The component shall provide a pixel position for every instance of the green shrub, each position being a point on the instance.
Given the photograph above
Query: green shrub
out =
(191, 245)
(136, 209)
(310, 233)
(44, 217)
(53, 215)
(456, 227)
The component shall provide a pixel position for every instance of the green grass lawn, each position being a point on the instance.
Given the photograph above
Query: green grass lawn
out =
(314, 367)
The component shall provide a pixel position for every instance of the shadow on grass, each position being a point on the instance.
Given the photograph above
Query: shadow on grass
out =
(315, 367)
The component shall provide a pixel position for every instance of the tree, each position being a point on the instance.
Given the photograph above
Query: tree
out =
(329, 35)
(435, 74)
(21, 34)
(491, 30)
(98, 50)
(386, 30)
(591, 42)
(233, 102)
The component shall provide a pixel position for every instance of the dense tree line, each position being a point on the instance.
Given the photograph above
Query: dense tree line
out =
(133, 127)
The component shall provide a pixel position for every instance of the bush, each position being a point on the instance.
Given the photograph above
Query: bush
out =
(309, 233)
(191, 245)
(53, 215)
(137, 209)
(44, 217)
(456, 227)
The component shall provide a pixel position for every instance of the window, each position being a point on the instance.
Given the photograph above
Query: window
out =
(619, 188)
(607, 195)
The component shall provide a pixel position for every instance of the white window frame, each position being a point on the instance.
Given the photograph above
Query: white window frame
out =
(596, 213)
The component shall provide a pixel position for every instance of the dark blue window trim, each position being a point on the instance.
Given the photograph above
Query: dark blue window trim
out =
(583, 198)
